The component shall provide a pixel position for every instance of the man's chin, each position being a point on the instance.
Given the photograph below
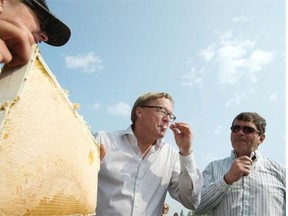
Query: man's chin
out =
(162, 133)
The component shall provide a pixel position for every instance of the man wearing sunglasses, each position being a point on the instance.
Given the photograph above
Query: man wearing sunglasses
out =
(24, 23)
(139, 167)
(246, 183)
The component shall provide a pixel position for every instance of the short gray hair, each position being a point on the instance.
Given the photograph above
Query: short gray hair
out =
(145, 99)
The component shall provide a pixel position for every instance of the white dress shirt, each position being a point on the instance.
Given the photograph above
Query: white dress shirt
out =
(129, 185)
(261, 193)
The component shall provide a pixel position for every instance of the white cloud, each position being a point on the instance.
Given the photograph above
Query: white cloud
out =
(87, 63)
(208, 53)
(193, 78)
(259, 58)
(218, 129)
(230, 58)
(96, 106)
(120, 109)
(225, 36)
(241, 19)
(237, 58)
(252, 91)
(273, 97)
(235, 100)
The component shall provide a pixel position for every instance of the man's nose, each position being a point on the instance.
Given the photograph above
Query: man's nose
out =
(166, 119)
(241, 131)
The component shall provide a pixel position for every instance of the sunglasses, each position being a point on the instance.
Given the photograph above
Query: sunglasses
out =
(245, 129)
(41, 16)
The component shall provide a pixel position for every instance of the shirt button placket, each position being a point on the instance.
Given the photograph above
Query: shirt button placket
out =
(137, 192)
(246, 203)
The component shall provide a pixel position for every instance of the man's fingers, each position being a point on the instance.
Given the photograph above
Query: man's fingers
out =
(5, 55)
(102, 152)
(15, 44)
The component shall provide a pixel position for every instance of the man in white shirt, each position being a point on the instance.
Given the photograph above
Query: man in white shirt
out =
(140, 167)
(246, 183)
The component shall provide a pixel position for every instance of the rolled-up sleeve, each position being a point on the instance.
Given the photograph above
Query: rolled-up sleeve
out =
(187, 183)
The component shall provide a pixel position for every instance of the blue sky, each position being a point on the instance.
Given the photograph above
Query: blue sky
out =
(216, 58)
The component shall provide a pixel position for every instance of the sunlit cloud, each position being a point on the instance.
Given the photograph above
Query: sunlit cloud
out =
(273, 97)
(235, 100)
(192, 78)
(120, 109)
(252, 91)
(208, 53)
(257, 59)
(241, 19)
(237, 58)
(96, 106)
(87, 63)
(218, 129)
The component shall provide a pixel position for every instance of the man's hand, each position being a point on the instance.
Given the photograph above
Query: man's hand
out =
(240, 167)
(102, 152)
(183, 137)
(15, 42)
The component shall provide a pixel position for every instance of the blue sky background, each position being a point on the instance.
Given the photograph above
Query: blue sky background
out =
(216, 58)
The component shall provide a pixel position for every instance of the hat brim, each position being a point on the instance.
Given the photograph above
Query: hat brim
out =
(58, 33)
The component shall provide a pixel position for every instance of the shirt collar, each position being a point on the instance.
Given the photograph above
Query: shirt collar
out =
(129, 132)
(256, 153)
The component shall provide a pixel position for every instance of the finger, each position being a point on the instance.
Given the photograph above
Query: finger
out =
(246, 166)
(18, 41)
(183, 128)
(175, 129)
(245, 160)
(246, 172)
(20, 58)
(102, 152)
(5, 55)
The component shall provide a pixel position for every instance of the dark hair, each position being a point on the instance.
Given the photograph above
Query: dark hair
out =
(146, 99)
(259, 121)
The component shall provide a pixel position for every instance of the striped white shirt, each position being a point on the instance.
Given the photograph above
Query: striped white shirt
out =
(261, 193)
(131, 186)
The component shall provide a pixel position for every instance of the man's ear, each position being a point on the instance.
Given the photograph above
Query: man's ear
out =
(262, 138)
(138, 112)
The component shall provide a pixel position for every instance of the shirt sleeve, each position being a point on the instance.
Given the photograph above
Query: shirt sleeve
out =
(212, 191)
(186, 182)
